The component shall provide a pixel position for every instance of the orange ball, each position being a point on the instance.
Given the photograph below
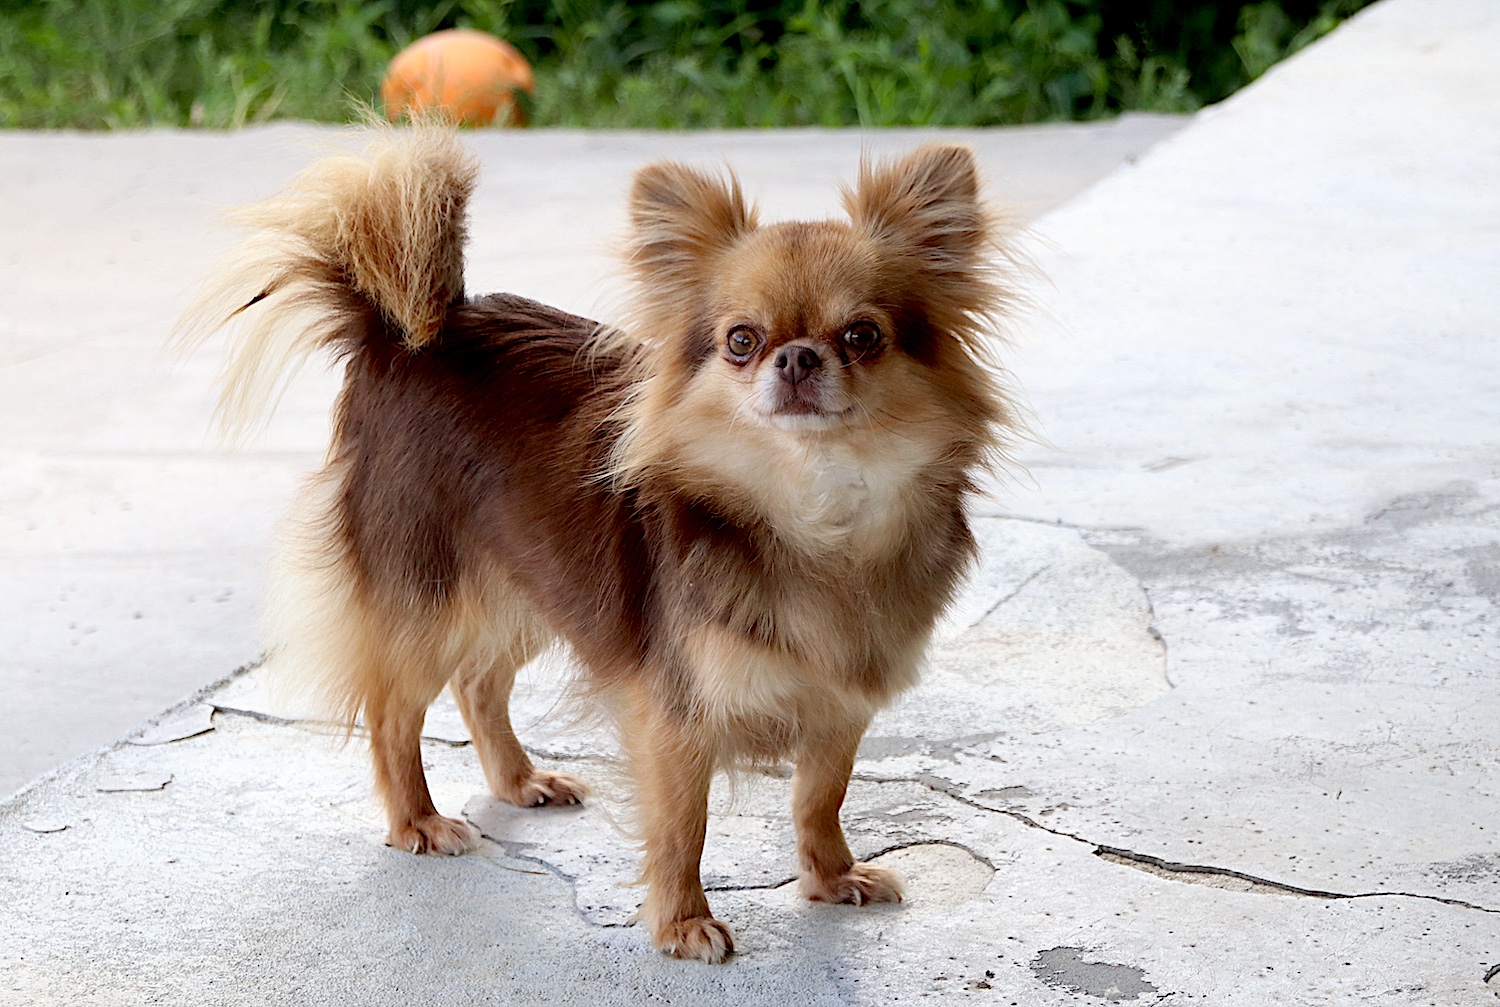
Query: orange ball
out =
(469, 75)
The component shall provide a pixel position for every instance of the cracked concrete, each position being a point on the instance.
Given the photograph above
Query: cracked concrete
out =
(1213, 724)
(251, 881)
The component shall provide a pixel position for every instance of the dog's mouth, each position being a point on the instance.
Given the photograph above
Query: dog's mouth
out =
(800, 414)
(805, 399)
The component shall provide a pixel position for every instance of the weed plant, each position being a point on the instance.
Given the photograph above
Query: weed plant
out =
(669, 64)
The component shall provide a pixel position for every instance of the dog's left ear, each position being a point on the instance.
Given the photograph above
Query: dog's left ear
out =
(680, 219)
(928, 203)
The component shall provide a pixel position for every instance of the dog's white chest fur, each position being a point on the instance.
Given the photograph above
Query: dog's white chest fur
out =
(818, 495)
(835, 492)
(828, 497)
(826, 500)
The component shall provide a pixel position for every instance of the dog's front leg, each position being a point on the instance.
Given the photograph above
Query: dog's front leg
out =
(673, 764)
(829, 872)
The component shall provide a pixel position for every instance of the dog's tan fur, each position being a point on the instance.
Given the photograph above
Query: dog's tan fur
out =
(747, 552)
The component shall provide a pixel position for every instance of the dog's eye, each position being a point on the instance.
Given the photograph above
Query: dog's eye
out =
(741, 342)
(862, 336)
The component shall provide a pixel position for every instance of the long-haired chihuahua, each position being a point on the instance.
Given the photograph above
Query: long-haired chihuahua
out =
(743, 511)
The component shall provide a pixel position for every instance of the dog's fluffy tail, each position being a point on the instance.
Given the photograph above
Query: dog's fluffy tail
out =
(359, 247)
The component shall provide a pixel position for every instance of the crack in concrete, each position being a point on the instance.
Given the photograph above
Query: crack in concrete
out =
(941, 786)
(1018, 589)
(358, 731)
(513, 849)
(1165, 868)
(1162, 867)
(1158, 866)
(1060, 523)
(275, 721)
(911, 844)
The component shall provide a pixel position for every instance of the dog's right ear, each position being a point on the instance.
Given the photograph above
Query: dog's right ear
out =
(681, 219)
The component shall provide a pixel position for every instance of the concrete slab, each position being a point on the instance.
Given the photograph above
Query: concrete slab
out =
(1214, 724)
(131, 571)
(1270, 376)
(256, 876)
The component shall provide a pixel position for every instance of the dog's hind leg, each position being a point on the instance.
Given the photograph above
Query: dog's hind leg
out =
(394, 717)
(483, 695)
(363, 658)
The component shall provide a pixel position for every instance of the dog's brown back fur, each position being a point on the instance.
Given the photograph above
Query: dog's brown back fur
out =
(502, 425)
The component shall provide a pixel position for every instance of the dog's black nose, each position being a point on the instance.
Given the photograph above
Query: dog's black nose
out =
(794, 363)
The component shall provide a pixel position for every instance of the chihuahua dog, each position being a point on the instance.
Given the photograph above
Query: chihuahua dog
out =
(743, 511)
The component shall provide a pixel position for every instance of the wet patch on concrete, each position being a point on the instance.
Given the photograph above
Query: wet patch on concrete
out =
(1066, 969)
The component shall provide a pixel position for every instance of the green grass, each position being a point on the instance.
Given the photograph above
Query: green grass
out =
(111, 64)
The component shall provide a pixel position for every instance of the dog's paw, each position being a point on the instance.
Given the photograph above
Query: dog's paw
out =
(701, 937)
(431, 834)
(543, 787)
(858, 886)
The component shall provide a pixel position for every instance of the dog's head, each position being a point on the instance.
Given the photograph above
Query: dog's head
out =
(766, 342)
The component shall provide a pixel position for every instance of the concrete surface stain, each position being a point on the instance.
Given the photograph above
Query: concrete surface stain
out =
(1415, 509)
(1014, 793)
(1483, 569)
(1475, 867)
(877, 748)
(1065, 969)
